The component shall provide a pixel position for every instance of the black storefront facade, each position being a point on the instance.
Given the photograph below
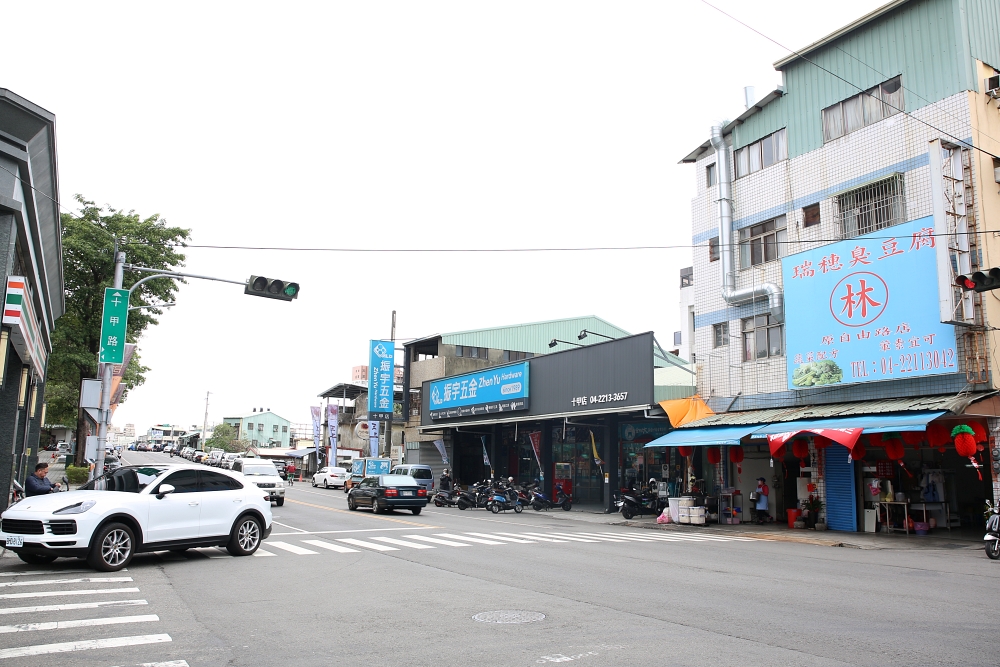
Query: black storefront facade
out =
(595, 398)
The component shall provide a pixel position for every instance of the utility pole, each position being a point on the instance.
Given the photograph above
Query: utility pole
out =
(392, 383)
(204, 424)
(105, 415)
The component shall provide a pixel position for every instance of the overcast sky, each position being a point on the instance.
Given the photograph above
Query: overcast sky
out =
(391, 125)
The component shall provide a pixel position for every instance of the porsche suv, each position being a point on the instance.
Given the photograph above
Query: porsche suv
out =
(138, 509)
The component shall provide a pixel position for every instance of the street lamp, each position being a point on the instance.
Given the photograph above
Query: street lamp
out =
(556, 341)
(583, 334)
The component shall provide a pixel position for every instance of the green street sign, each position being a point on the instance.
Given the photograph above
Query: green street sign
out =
(113, 325)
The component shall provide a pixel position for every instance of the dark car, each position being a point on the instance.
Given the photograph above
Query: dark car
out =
(111, 463)
(388, 492)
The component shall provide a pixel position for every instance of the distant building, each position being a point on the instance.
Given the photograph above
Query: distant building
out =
(261, 429)
(129, 430)
(164, 434)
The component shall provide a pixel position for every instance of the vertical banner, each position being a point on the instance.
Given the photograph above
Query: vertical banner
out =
(486, 457)
(441, 450)
(316, 412)
(381, 375)
(332, 413)
(373, 438)
(536, 445)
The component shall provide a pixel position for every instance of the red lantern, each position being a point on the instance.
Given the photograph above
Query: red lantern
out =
(965, 444)
(821, 442)
(913, 438)
(736, 456)
(780, 453)
(685, 450)
(859, 451)
(938, 435)
(979, 432)
(893, 448)
(800, 449)
(714, 455)
(875, 439)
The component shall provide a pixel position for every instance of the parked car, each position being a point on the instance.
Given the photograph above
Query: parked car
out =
(142, 447)
(388, 492)
(186, 452)
(227, 460)
(157, 447)
(200, 457)
(423, 474)
(137, 509)
(132, 447)
(330, 476)
(263, 473)
(214, 458)
(111, 463)
(169, 448)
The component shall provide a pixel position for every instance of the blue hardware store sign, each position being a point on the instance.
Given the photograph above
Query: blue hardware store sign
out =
(866, 309)
(381, 375)
(491, 391)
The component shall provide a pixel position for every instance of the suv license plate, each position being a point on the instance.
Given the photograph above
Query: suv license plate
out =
(407, 493)
(15, 541)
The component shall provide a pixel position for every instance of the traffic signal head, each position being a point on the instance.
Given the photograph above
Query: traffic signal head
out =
(980, 281)
(272, 288)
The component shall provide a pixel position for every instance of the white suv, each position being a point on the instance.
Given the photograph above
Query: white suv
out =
(263, 473)
(139, 509)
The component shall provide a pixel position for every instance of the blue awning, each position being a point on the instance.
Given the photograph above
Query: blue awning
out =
(719, 435)
(910, 421)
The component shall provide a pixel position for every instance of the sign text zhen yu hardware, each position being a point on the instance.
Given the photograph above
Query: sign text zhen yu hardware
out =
(490, 391)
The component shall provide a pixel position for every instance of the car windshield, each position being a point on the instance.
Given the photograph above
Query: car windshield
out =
(259, 470)
(421, 473)
(129, 480)
(398, 480)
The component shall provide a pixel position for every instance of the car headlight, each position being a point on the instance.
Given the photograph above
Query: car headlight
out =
(279, 485)
(78, 508)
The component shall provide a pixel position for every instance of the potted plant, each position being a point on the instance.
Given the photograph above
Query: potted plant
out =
(814, 505)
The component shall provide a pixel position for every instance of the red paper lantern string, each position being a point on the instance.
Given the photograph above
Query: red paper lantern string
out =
(979, 432)
(714, 455)
(858, 453)
(894, 450)
(875, 439)
(913, 438)
(965, 445)
(938, 435)
(685, 450)
(736, 456)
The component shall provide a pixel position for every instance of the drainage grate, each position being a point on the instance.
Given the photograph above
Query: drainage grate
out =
(508, 616)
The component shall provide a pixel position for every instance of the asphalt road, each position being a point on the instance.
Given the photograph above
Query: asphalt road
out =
(333, 587)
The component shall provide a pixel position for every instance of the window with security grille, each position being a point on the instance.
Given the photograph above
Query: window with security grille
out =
(871, 207)
(762, 338)
(720, 334)
(763, 242)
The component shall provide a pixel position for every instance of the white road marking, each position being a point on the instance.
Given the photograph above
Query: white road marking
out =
(323, 544)
(172, 663)
(67, 607)
(434, 540)
(361, 530)
(500, 537)
(403, 543)
(52, 594)
(297, 530)
(81, 623)
(563, 537)
(627, 538)
(66, 647)
(477, 540)
(81, 580)
(367, 545)
(38, 572)
(262, 553)
(570, 536)
(542, 539)
(297, 550)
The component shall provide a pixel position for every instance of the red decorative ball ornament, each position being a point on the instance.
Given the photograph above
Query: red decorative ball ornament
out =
(965, 444)
(858, 452)
(685, 450)
(781, 451)
(736, 456)
(800, 449)
(913, 438)
(821, 442)
(714, 455)
(893, 448)
(938, 435)
(979, 432)
(875, 439)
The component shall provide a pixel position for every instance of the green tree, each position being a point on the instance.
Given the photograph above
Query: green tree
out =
(88, 240)
(224, 438)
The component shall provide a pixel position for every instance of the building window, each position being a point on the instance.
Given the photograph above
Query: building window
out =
(720, 334)
(713, 249)
(763, 153)
(862, 110)
(260, 427)
(763, 242)
(512, 355)
(284, 429)
(678, 338)
(710, 175)
(761, 338)
(250, 426)
(275, 428)
(810, 215)
(471, 352)
(871, 207)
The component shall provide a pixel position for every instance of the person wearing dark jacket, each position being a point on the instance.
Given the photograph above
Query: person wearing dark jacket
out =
(37, 484)
(445, 481)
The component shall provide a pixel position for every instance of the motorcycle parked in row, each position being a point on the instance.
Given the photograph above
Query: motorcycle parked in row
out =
(476, 496)
(447, 498)
(992, 537)
(504, 498)
(631, 503)
(540, 501)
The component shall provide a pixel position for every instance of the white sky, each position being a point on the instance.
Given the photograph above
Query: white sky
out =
(391, 124)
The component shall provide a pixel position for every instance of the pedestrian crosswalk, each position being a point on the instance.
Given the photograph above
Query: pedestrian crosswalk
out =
(319, 544)
(55, 612)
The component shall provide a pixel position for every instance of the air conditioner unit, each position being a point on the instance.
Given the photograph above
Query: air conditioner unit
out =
(993, 85)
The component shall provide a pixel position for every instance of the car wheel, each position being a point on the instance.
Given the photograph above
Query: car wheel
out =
(375, 508)
(314, 483)
(416, 510)
(36, 559)
(111, 548)
(279, 502)
(326, 484)
(351, 505)
(245, 537)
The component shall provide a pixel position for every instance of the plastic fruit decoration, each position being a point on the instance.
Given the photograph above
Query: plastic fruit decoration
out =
(965, 445)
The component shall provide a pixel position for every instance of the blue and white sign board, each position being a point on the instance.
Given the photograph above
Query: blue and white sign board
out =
(491, 391)
(866, 309)
(368, 467)
(381, 372)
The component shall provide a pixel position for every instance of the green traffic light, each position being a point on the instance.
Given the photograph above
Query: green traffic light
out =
(292, 289)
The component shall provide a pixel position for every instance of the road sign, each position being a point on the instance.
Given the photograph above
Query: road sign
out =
(113, 325)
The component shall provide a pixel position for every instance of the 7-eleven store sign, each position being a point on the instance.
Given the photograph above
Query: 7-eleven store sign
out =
(19, 314)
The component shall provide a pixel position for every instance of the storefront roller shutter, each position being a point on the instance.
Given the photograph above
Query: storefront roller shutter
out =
(841, 508)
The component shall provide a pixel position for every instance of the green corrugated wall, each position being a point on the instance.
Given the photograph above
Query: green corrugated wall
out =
(927, 41)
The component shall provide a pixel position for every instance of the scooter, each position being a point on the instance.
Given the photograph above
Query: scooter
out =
(631, 503)
(504, 498)
(446, 498)
(540, 501)
(992, 537)
(476, 496)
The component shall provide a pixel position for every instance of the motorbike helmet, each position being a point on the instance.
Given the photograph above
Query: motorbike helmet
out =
(510, 480)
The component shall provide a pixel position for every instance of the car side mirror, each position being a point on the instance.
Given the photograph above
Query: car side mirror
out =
(164, 490)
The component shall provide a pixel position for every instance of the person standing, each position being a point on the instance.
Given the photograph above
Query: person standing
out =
(761, 506)
(37, 484)
(445, 481)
